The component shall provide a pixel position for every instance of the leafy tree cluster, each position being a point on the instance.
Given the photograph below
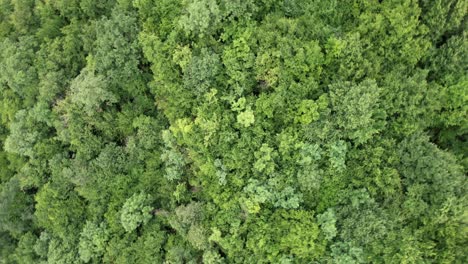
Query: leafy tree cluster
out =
(215, 131)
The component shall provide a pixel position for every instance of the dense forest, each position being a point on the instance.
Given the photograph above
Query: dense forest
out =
(233, 131)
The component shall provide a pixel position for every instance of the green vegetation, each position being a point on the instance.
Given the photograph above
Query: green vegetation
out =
(240, 131)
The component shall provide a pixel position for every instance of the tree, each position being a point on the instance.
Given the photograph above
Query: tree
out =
(201, 72)
(17, 209)
(88, 92)
(172, 157)
(200, 17)
(59, 209)
(93, 241)
(24, 252)
(21, 140)
(285, 238)
(16, 70)
(356, 109)
(135, 212)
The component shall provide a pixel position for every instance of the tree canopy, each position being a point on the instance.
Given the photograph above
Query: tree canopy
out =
(268, 131)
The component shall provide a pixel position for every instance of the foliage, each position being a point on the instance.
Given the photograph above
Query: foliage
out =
(215, 131)
(135, 211)
(93, 240)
